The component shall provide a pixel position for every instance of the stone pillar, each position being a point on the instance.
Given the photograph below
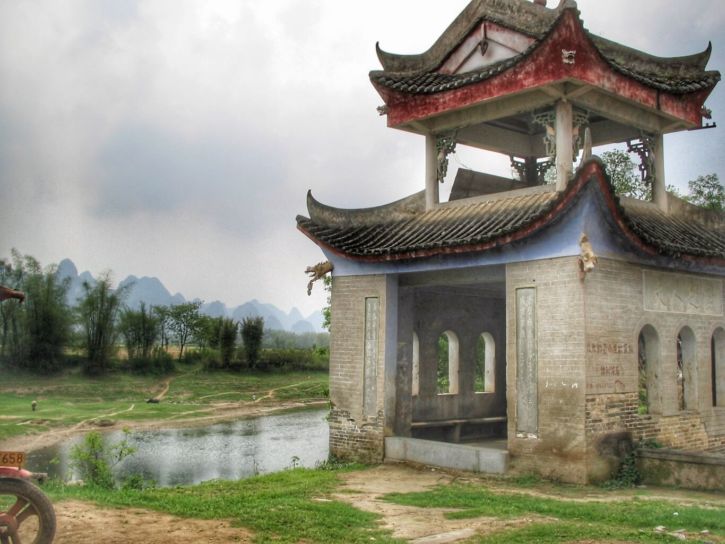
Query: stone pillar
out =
(431, 172)
(404, 378)
(532, 172)
(564, 144)
(390, 355)
(659, 191)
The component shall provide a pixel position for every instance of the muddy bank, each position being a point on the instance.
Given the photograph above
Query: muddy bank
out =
(212, 414)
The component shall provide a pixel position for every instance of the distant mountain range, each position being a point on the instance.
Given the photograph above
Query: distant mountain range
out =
(153, 293)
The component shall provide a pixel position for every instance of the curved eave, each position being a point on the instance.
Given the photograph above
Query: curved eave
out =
(592, 172)
(330, 216)
(416, 75)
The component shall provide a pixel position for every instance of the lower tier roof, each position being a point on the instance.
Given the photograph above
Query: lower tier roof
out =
(405, 231)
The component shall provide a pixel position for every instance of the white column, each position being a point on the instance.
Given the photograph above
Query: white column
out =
(564, 144)
(431, 172)
(659, 188)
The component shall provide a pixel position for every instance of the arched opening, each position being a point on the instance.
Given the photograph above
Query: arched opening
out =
(485, 369)
(717, 346)
(686, 370)
(648, 359)
(416, 366)
(447, 374)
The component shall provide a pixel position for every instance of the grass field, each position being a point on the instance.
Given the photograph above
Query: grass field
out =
(617, 517)
(285, 507)
(304, 505)
(71, 398)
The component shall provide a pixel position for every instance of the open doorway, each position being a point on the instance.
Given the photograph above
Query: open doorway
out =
(459, 368)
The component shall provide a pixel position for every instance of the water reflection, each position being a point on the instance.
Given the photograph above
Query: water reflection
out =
(227, 451)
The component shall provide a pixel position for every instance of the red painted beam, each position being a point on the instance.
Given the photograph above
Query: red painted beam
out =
(544, 66)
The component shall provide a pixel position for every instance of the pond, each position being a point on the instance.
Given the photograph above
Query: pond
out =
(227, 451)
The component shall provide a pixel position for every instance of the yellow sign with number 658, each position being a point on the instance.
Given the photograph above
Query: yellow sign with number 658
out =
(12, 459)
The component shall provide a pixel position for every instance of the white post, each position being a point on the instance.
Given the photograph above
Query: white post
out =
(659, 189)
(564, 144)
(431, 172)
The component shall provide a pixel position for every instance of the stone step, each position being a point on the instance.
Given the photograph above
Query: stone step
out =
(447, 455)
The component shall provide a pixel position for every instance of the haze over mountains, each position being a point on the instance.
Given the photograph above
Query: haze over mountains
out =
(154, 293)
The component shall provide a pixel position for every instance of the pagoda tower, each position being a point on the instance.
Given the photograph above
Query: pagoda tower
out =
(539, 321)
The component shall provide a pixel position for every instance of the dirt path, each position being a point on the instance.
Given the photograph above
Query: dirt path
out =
(364, 490)
(83, 523)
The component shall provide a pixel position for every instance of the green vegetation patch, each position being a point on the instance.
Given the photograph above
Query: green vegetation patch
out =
(289, 506)
(556, 532)
(625, 518)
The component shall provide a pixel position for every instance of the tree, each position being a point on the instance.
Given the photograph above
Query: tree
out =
(252, 334)
(34, 334)
(47, 319)
(98, 310)
(184, 321)
(140, 331)
(706, 191)
(327, 310)
(162, 314)
(208, 331)
(228, 329)
(624, 176)
(11, 275)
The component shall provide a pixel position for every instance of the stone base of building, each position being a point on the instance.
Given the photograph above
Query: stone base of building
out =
(691, 470)
(478, 458)
(358, 441)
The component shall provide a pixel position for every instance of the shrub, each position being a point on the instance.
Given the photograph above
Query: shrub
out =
(295, 359)
(252, 334)
(158, 363)
(94, 459)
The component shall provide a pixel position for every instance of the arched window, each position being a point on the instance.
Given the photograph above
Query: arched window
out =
(447, 375)
(686, 370)
(718, 367)
(485, 371)
(648, 358)
(416, 366)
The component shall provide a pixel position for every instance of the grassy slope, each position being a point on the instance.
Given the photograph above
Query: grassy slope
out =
(70, 398)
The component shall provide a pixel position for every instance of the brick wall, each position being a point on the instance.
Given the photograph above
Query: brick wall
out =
(558, 448)
(356, 440)
(353, 435)
(617, 308)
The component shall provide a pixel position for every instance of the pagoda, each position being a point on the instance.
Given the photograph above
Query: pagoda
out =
(538, 322)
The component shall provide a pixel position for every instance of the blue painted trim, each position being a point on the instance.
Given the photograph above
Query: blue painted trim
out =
(561, 239)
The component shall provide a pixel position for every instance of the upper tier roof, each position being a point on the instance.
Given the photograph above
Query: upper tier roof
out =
(403, 230)
(419, 74)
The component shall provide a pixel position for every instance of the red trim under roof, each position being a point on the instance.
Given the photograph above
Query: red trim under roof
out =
(544, 66)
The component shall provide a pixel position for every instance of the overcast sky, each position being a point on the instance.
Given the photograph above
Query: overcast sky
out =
(178, 138)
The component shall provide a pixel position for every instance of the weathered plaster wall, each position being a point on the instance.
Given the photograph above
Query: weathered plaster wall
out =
(621, 299)
(557, 449)
(357, 395)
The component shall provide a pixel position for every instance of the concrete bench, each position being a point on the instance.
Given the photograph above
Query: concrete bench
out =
(456, 424)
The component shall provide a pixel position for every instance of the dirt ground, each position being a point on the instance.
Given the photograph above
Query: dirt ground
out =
(84, 523)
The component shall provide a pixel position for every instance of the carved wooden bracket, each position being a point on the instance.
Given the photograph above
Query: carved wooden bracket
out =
(317, 272)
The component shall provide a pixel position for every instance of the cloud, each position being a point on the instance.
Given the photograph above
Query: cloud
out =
(178, 139)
